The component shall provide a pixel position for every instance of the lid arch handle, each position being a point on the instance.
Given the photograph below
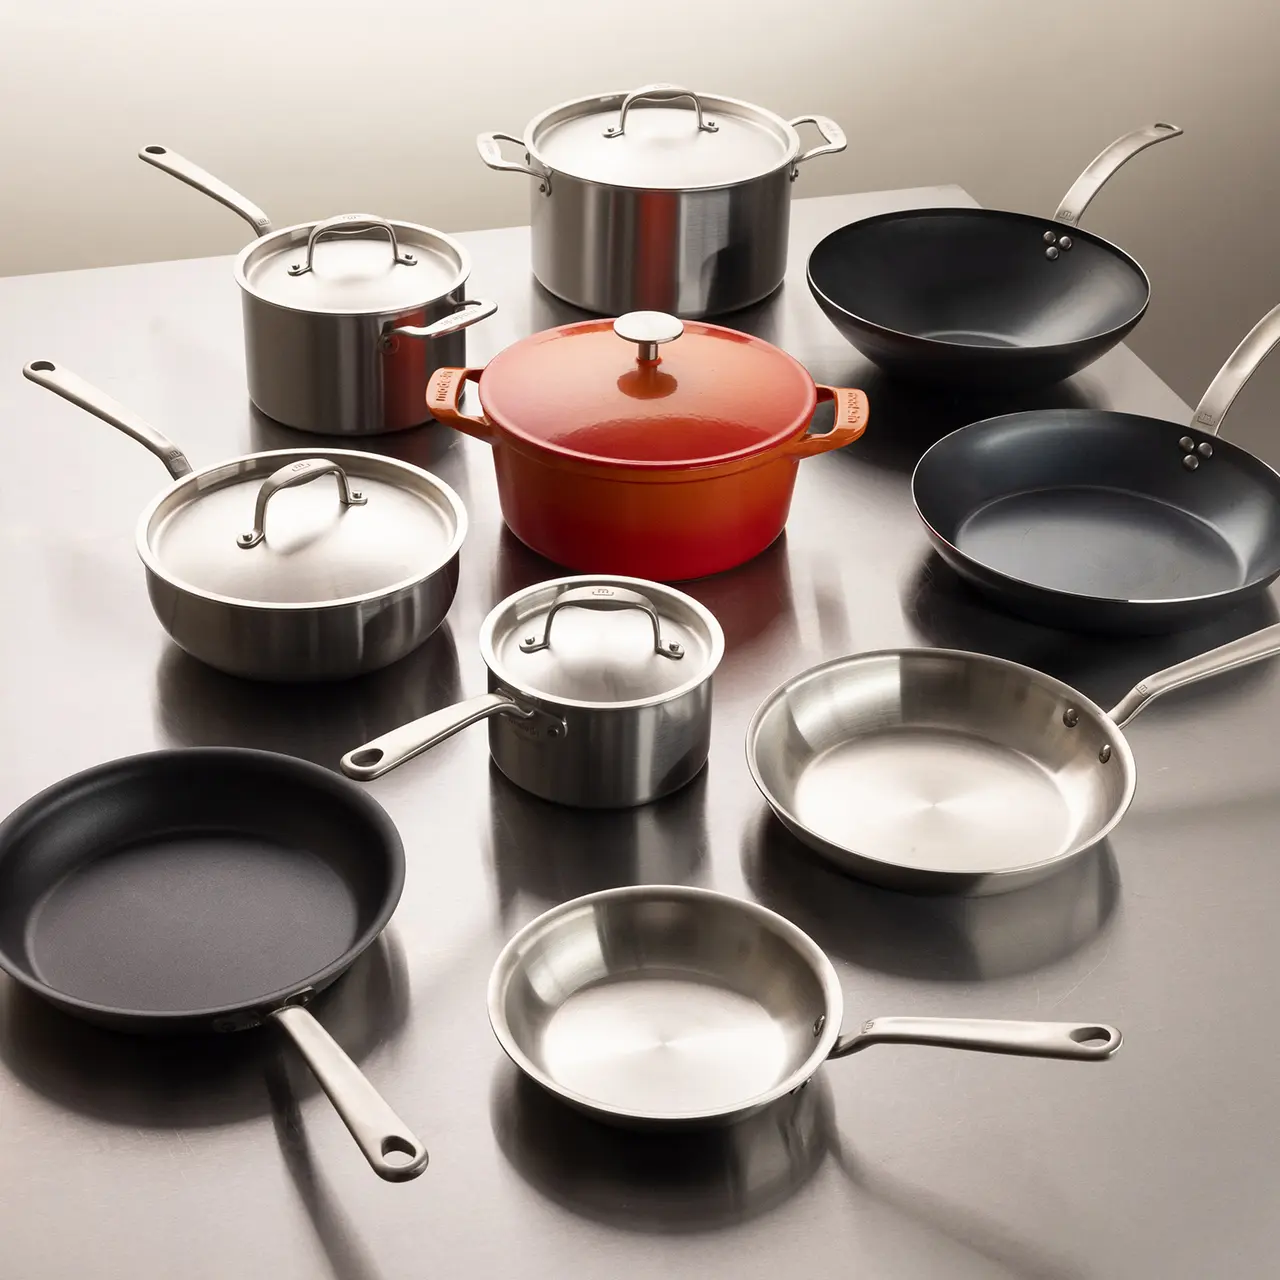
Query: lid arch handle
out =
(350, 224)
(660, 93)
(606, 600)
(288, 477)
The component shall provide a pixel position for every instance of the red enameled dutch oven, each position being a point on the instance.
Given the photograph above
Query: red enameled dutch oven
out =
(613, 458)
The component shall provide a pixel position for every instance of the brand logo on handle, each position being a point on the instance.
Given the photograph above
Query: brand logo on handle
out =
(444, 387)
(602, 591)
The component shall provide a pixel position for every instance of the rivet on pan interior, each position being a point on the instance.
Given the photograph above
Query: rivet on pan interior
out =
(1186, 444)
(1064, 242)
(1071, 717)
(1050, 238)
(819, 1024)
(1205, 449)
(1105, 754)
(1051, 252)
(1191, 462)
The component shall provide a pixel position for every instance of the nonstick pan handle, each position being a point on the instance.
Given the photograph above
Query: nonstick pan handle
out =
(1226, 657)
(1229, 381)
(194, 176)
(391, 1150)
(1081, 1041)
(1104, 165)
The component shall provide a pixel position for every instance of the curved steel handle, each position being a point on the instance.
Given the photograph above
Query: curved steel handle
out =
(387, 1142)
(350, 224)
(648, 330)
(491, 154)
(605, 599)
(392, 749)
(194, 176)
(1226, 657)
(852, 413)
(1229, 381)
(832, 135)
(289, 477)
(1081, 1041)
(660, 93)
(1107, 161)
(69, 386)
(469, 313)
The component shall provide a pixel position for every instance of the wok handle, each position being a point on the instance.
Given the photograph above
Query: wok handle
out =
(64, 383)
(444, 391)
(852, 412)
(487, 144)
(392, 749)
(390, 1148)
(833, 140)
(194, 176)
(470, 312)
(608, 600)
(1226, 657)
(1080, 1041)
(1104, 165)
(660, 93)
(1229, 381)
(290, 476)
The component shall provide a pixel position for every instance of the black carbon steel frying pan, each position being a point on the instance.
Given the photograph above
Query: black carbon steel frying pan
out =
(1108, 522)
(983, 298)
(207, 889)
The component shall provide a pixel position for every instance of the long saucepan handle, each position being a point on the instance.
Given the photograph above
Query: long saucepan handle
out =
(387, 1142)
(1081, 1041)
(1226, 657)
(194, 176)
(1104, 165)
(392, 749)
(62, 382)
(1229, 381)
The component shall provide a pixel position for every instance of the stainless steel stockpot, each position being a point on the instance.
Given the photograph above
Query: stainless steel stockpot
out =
(259, 572)
(344, 319)
(662, 199)
(599, 693)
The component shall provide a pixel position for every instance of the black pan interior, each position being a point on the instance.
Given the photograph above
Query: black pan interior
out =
(977, 277)
(193, 882)
(1102, 505)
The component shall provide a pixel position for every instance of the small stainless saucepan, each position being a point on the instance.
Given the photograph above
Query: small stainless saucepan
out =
(660, 1006)
(599, 693)
(258, 571)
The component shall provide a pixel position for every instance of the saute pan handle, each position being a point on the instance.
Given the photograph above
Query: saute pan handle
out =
(852, 412)
(491, 154)
(444, 391)
(380, 1133)
(194, 176)
(385, 753)
(833, 140)
(1100, 169)
(1226, 657)
(1229, 381)
(468, 313)
(1084, 1041)
(290, 476)
(64, 383)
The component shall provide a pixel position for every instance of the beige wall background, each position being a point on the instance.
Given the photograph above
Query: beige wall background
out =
(325, 106)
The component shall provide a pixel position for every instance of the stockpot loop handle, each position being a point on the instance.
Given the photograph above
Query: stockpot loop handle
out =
(604, 599)
(289, 477)
(350, 224)
(833, 140)
(660, 93)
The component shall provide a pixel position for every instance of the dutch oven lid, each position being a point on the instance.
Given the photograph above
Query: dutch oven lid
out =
(601, 641)
(291, 529)
(662, 137)
(601, 392)
(355, 263)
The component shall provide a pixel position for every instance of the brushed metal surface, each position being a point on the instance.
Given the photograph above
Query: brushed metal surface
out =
(116, 1160)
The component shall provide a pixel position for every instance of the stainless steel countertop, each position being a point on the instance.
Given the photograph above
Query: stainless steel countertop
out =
(128, 1158)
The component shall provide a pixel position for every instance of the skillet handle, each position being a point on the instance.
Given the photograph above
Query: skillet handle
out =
(390, 1148)
(852, 412)
(1104, 165)
(444, 391)
(1229, 381)
(193, 175)
(1080, 1041)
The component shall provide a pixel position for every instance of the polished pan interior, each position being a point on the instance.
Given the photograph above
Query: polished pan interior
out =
(940, 770)
(664, 1006)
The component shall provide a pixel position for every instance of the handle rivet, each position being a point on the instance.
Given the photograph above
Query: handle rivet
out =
(1064, 242)
(1186, 444)
(1071, 717)
(1105, 754)
(1191, 462)
(1050, 238)
(1204, 449)
(1051, 252)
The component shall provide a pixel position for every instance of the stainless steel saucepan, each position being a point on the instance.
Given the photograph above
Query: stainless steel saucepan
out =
(259, 572)
(344, 319)
(659, 1006)
(599, 693)
(936, 770)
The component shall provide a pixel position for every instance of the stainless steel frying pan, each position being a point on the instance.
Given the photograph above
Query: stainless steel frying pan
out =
(662, 1006)
(936, 770)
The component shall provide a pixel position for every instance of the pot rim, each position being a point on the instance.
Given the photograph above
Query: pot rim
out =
(152, 564)
(304, 229)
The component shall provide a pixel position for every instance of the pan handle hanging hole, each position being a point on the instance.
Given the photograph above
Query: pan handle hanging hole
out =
(368, 756)
(394, 1146)
(1105, 754)
(1093, 1036)
(1071, 717)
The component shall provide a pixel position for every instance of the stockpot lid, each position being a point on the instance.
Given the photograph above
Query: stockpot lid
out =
(601, 641)
(273, 529)
(354, 264)
(671, 139)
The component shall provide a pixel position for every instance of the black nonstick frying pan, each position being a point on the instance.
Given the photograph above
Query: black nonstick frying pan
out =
(984, 298)
(1109, 522)
(207, 889)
